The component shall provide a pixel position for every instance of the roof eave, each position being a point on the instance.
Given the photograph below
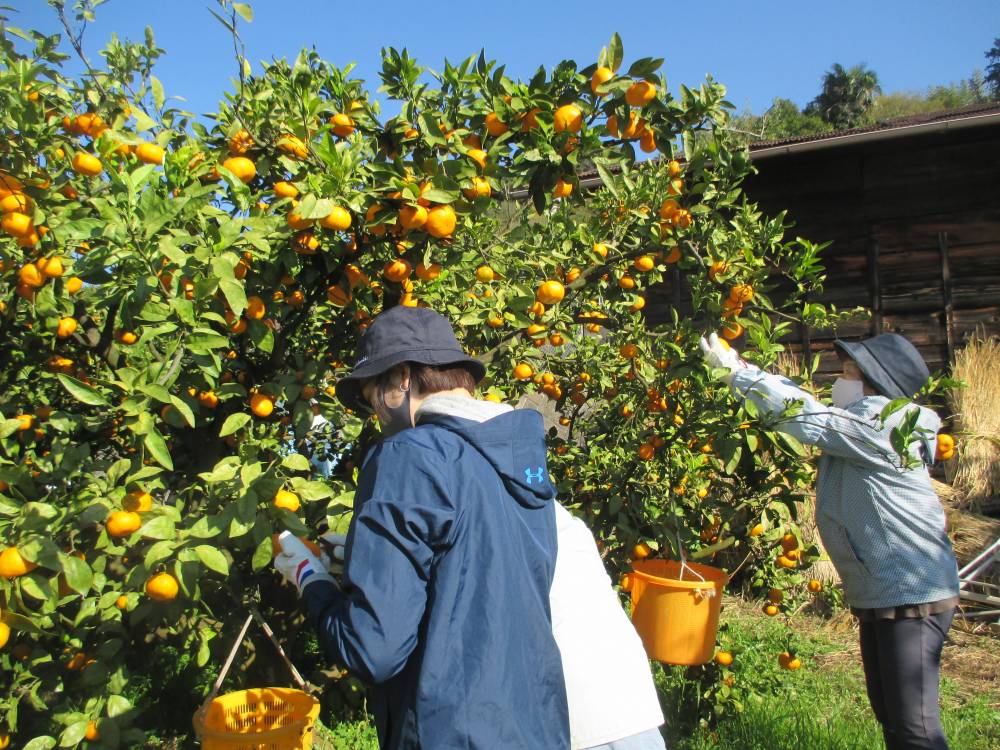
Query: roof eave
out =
(850, 139)
(876, 135)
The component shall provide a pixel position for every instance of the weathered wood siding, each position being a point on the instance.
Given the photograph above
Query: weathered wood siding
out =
(915, 229)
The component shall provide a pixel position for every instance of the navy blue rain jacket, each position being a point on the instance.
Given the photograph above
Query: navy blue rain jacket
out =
(445, 606)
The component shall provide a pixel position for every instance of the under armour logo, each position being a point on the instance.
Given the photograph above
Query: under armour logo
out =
(361, 360)
(539, 475)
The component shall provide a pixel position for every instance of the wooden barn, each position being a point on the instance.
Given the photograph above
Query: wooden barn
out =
(912, 209)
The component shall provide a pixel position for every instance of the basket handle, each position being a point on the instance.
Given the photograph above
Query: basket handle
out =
(229, 660)
(255, 616)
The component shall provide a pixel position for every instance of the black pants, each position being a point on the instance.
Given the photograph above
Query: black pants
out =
(902, 660)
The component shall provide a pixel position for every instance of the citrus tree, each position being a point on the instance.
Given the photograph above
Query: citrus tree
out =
(179, 297)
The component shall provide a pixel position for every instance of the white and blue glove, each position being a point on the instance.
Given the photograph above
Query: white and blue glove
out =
(298, 565)
(719, 356)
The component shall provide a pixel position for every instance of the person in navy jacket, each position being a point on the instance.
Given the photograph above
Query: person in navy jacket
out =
(444, 606)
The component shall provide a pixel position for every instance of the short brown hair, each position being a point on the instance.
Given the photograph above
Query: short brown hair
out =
(436, 378)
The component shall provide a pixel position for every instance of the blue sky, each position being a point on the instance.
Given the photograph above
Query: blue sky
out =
(758, 50)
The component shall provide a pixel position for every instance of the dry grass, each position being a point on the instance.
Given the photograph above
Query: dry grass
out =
(791, 366)
(968, 659)
(970, 533)
(975, 471)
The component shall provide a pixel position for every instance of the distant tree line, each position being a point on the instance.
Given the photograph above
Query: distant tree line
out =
(852, 97)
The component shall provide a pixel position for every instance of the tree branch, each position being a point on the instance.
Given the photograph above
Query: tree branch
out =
(76, 41)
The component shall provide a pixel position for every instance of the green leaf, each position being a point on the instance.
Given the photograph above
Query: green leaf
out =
(245, 11)
(184, 309)
(223, 471)
(158, 96)
(606, 177)
(158, 392)
(187, 574)
(146, 472)
(118, 705)
(117, 470)
(184, 409)
(160, 527)
(315, 209)
(262, 336)
(235, 295)
(343, 498)
(233, 423)
(9, 426)
(159, 552)
(32, 585)
(212, 558)
(792, 443)
(892, 407)
(250, 473)
(311, 490)
(74, 733)
(143, 122)
(79, 577)
(82, 392)
(157, 448)
(440, 196)
(206, 527)
(263, 554)
(296, 462)
(615, 52)
(202, 343)
(44, 742)
(204, 653)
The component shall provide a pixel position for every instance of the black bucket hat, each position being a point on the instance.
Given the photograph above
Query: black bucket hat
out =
(403, 334)
(890, 363)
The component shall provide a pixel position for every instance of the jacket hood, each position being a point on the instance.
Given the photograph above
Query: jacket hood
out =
(514, 445)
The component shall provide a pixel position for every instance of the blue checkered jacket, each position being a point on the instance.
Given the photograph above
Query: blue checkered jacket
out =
(882, 525)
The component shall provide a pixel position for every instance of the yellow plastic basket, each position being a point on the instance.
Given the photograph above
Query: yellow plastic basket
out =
(258, 719)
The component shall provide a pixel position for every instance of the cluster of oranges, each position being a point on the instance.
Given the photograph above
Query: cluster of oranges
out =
(732, 307)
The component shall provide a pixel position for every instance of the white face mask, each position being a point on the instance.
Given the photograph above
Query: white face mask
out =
(845, 392)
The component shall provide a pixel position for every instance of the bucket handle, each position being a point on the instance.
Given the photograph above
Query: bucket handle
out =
(254, 616)
(698, 593)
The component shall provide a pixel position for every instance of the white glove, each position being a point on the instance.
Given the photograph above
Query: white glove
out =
(334, 544)
(720, 356)
(298, 565)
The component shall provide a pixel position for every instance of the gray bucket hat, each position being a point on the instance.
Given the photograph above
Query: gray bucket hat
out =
(890, 363)
(403, 334)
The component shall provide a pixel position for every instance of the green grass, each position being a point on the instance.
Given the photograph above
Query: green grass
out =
(348, 735)
(823, 706)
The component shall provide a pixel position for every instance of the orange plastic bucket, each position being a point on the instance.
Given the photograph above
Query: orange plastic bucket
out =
(675, 612)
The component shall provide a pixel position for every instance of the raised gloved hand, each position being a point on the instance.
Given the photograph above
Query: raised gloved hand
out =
(298, 565)
(334, 544)
(720, 356)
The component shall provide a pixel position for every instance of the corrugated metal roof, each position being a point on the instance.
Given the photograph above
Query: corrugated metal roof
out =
(890, 124)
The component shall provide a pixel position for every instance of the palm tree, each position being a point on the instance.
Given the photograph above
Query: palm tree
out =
(846, 95)
(993, 68)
